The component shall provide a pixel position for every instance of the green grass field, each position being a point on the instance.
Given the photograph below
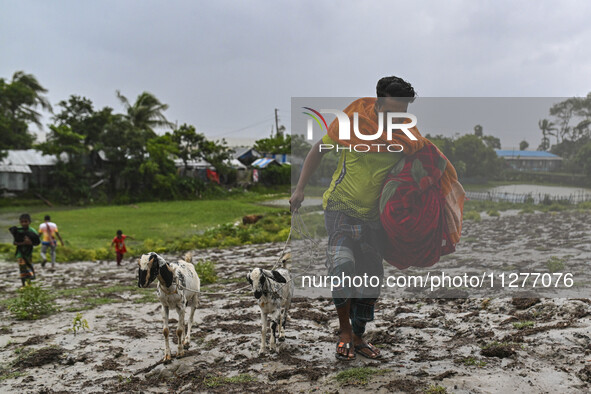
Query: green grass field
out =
(95, 227)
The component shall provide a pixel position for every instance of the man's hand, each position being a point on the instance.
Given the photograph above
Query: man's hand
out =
(27, 241)
(296, 200)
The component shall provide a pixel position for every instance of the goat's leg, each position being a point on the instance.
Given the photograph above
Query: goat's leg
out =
(180, 330)
(282, 318)
(263, 333)
(275, 323)
(189, 324)
(165, 331)
(284, 314)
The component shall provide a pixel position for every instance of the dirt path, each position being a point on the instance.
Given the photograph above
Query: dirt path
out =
(461, 345)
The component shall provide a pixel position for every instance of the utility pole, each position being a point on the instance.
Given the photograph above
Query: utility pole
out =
(277, 124)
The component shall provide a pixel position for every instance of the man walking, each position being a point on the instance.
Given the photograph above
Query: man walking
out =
(49, 232)
(351, 207)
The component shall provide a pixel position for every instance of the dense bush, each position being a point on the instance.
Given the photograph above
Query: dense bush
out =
(276, 175)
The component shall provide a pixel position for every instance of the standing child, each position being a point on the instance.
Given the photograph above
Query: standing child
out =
(119, 242)
(25, 238)
(50, 232)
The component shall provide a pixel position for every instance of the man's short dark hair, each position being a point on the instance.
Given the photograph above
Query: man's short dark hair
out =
(119, 232)
(395, 87)
(47, 217)
(25, 216)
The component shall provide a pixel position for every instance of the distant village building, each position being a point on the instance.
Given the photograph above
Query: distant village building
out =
(265, 162)
(525, 160)
(195, 168)
(21, 169)
(246, 155)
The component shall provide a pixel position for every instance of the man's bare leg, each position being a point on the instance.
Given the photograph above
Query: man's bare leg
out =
(345, 329)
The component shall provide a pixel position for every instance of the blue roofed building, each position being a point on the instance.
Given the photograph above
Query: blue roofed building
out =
(526, 160)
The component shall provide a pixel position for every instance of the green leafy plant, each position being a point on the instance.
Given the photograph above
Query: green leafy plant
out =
(206, 272)
(33, 302)
(493, 213)
(472, 215)
(78, 324)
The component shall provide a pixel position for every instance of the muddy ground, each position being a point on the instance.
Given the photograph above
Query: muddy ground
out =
(475, 345)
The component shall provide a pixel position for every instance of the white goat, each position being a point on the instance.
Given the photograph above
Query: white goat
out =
(273, 290)
(178, 286)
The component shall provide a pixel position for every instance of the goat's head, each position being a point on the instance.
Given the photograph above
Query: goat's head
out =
(149, 266)
(257, 278)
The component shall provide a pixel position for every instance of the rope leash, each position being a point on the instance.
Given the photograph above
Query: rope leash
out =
(295, 219)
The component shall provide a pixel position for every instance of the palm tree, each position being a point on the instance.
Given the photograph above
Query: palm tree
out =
(547, 128)
(22, 96)
(146, 113)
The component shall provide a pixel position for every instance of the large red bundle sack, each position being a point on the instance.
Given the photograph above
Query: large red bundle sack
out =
(412, 210)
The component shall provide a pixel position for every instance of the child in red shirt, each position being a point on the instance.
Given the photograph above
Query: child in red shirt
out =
(119, 242)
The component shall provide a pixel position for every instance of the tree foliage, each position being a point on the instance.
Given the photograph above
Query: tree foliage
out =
(124, 155)
(278, 144)
(20, 100)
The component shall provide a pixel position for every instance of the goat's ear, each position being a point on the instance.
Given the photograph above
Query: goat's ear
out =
(248, 278)
(278, 277)
(153, 257)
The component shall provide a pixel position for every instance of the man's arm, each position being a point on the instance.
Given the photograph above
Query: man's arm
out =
(310, 166)
(59, 237)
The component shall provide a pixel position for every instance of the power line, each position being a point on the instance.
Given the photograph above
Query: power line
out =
(244, 128)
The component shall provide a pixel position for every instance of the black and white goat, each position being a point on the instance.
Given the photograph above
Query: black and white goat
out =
(178, 286)
(273, 290)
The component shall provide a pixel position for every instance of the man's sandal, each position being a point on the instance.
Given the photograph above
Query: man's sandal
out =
(372, 348)
(349, 355)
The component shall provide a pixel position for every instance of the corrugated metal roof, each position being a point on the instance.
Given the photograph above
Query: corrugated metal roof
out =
(17, 168)
(264, 162)
(29, 157)
(235, 163)
(526, 153)
(193, 163)
(239, 151)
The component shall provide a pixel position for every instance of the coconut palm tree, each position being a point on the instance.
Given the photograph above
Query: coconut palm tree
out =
(547, 128)
(20, 98)
(146, 113)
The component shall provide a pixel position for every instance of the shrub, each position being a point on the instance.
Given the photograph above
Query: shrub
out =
(206, 272)
(32, 303)
(276, 175)
(472, 215)
(493, 213)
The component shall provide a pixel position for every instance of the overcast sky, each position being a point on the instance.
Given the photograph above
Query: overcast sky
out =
(225, 65)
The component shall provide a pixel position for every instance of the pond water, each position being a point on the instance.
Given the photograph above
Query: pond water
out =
(535, 193)
(554, 191)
